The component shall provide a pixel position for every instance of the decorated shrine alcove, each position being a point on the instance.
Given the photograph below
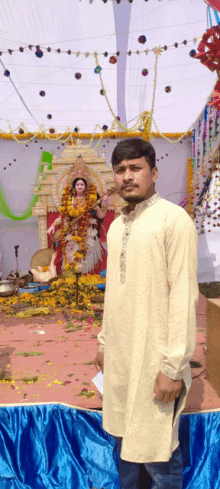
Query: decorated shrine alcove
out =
(53, 180)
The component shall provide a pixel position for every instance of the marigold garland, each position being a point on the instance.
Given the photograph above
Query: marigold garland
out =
(66, 211)
(189, 185)
(116, 134)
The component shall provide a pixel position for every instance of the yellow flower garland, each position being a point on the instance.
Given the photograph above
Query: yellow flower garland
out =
(118, 135)
(189, 186)
(66, 210)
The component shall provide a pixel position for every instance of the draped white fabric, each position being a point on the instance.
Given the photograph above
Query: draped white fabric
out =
(111, 27)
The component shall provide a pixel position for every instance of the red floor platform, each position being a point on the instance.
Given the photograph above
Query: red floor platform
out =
(62, 359)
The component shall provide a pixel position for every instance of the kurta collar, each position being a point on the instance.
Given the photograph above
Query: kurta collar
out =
(142, 205)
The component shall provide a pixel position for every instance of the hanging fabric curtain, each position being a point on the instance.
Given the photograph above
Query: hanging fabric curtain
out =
(5, 209)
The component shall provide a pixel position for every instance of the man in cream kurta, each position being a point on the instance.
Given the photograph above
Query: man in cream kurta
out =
(149, 324)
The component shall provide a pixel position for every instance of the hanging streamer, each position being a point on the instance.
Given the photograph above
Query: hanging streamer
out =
(4, 207)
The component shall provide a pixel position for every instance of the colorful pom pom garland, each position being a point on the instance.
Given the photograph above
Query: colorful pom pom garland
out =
(39, 53)
(97, 69)
(142, 39)
(112, 60)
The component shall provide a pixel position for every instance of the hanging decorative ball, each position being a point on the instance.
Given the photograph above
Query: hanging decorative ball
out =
(165, 48)
(7, 73)
(76, 129)
(104, 128)
(69, 51)
(105, 54)
(176, 44)
(112, 60)
(142, 39)
(42, 93)
(49, 50)
(21, 49)
(168, 89)
(192, 53)
(21, 131)
(215, 4)
(39, 53)
(102, 92)
(97, 69)
(185, 42)
(49, 116)
(52, 130)
(118, 118)
(78, 76)
(58, 51)
(144, 72)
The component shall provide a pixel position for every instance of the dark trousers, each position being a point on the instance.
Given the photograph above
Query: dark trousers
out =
(157, 475)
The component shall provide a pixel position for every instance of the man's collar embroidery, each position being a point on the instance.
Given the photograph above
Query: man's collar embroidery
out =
(142, 205)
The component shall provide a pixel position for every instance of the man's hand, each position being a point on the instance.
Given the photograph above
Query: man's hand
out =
(99, 362)
(166, 389)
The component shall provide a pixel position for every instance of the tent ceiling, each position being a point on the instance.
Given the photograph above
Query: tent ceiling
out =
(81, 26)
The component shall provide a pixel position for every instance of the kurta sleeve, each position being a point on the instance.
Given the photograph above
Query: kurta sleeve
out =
(102, 335)
(181, 243)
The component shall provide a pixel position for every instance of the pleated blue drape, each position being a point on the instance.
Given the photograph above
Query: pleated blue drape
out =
(55, 446)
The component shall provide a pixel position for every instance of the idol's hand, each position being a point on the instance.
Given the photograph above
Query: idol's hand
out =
(105, 200)
(51, 229)
(166, 389)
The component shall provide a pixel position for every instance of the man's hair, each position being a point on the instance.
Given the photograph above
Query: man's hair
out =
(132, 149)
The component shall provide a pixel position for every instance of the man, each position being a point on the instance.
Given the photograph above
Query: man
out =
(149, 323)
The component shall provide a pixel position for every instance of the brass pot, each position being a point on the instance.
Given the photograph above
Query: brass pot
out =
(7, 288)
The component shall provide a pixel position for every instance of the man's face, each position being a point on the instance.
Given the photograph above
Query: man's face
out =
(138, 174)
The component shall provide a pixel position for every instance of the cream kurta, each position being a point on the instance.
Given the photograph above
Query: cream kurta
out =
(149, 324)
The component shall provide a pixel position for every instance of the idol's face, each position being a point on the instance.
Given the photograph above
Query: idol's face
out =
(80, 187)
(139, 175)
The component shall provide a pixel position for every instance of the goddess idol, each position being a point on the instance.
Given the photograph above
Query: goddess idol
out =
(78, 242)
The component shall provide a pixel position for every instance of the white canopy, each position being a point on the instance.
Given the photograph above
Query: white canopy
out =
(81, 26)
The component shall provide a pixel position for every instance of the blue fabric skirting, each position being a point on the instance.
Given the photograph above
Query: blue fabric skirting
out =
(52, 446)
